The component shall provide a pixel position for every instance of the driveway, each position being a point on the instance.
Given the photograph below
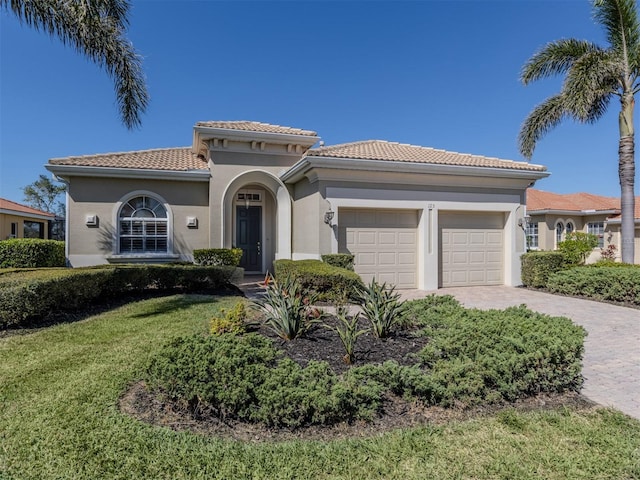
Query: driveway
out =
(612, 348)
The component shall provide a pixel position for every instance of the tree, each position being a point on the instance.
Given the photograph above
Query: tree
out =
(44, 195)
(593, 76)
(95, 28)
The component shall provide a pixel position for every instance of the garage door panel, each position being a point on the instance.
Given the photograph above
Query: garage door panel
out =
(384, 243)
(471, 255)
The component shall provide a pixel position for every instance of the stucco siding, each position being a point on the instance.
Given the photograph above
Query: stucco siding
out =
(99, 197)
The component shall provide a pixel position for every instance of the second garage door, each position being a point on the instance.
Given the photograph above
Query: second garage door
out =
(384, 243)
(472, 249)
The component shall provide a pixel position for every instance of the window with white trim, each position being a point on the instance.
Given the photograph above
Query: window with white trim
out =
(531, 232)
(569, 228)
(143, 226)
(597, 228)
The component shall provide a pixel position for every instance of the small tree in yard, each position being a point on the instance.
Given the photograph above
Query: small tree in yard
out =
(577, 246)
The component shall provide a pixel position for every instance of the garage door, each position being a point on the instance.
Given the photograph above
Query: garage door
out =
(472, 249)
(384, 243)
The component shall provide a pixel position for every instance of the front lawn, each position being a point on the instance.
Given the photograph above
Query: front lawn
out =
(60, 386)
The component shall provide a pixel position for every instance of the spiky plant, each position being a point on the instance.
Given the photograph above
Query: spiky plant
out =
(347, 330)
(381, 306)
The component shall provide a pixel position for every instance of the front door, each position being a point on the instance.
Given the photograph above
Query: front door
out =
(249, 237)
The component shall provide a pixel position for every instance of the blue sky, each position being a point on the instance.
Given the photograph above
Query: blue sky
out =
(442, 74)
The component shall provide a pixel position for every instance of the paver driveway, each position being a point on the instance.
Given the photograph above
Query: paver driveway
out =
(612, 348)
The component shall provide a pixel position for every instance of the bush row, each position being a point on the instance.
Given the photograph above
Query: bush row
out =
(537, 266)
(342, 260)
(326, 281)
(609, 283)
(218, 256)
(474, 357)
(31, 253)
(29, 296)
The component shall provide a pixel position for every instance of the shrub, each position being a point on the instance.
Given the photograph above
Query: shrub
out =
(27, 296)
(342, 260)
(577, 246)
(232, 321)
(537, 266)
(329, 283)
(608, 254)
(381, 306)
(246, 378)
(218, 256)
(286, 309)
(619, 283)
(31, 252)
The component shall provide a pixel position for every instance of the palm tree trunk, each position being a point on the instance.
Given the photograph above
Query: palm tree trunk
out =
(626, 173)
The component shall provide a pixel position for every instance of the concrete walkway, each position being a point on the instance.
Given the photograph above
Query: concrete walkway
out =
(611, 364)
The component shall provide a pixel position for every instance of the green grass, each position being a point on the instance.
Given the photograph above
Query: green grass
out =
(59, 389)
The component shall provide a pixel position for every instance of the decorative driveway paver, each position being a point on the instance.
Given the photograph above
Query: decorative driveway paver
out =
(612, 348)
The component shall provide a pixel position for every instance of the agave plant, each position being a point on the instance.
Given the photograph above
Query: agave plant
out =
(287, 309)
(381, 306)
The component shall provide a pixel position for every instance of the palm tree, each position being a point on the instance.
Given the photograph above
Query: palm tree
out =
(593, 76)
(96, 29)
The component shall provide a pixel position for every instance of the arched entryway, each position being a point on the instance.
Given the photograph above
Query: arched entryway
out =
(257, 218)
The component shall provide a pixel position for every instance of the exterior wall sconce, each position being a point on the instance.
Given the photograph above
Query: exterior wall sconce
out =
(91, 220)
(328, 217)
(523, 222)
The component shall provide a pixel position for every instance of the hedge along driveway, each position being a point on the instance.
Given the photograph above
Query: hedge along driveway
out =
(59, 390)
(612, 347)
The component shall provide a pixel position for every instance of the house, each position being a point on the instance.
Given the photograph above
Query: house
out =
(553, 215)
(21, 221)
(413, 216)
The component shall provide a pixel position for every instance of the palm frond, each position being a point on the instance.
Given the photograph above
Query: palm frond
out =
(555, 58)
(95, 28)
(541, 120)
(620, 21)
(590, 83)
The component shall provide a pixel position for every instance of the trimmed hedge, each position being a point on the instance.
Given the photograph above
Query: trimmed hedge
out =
(218, 256)
(326, 281)
(31, 253)
(342, 260)
(537, 266)
(620, 283)
(28, 296)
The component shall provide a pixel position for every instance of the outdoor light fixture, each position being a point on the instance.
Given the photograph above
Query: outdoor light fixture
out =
(328, 217)
(523, 222)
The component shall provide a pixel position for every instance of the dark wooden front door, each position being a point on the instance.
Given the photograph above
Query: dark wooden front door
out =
(249, 237)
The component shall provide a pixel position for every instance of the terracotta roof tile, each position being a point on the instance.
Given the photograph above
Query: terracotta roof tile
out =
(18, 207)
(541, 200)
(575, 202)
(401, 152)
(257, 127)
(178, 159)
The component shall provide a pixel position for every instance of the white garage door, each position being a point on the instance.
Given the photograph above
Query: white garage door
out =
(384, 243)
(472, 249)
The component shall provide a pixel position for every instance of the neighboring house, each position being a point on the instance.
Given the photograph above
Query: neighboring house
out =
(20, 221)
(554, 215)
(413, 216)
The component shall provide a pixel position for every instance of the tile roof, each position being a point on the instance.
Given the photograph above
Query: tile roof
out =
(575, 202)
(541, 200)
(401, 152)
(257, 127)
(177, 159)
(18, 207)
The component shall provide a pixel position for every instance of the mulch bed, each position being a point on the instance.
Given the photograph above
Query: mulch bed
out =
(322, 344)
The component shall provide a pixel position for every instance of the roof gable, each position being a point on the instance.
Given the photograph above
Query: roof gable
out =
(247, 126)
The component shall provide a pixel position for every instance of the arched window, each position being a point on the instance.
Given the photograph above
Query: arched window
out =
(570, 227)
(142, 226)
(559, 232)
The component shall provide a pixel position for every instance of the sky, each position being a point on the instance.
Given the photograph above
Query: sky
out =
(441, 74)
